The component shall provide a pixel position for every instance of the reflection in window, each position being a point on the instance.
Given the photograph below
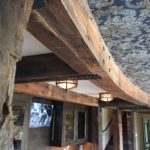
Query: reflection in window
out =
(147, 134)
(81, 125)
(69, 123)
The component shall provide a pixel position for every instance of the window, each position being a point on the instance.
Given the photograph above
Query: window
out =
(74, 124)
(81, 125)
(146, 122)
(73, 128)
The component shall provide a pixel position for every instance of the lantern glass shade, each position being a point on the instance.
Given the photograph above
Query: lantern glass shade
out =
(106, 97)
(67, 84)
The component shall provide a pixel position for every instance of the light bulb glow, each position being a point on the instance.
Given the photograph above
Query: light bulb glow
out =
(106, 97)
(67, 84)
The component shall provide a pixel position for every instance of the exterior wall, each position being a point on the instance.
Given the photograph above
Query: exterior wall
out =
(21, 101)
(106, 117)
(139, 138)
(38, 138)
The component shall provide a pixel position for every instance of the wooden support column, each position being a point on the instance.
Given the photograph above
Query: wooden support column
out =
(120, 130)
(95, 128)
(128, 130)
(100, 132)
(92, 129)
(48, 91)
(13, 19)
(117, 131)
(68, 26)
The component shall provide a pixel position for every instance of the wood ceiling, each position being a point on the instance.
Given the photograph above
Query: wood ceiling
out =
(69, 30)
(47, 67)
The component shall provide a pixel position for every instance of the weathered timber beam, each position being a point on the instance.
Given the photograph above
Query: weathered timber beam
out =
(136, 109)
(124, 106)
(54, 93)
(69, 30)
(117, 103)
(47, 67)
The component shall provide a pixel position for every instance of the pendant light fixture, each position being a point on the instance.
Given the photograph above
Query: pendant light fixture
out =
(67, 84)
(106, 97)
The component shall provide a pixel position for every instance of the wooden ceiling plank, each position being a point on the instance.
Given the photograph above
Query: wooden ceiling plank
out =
(124, 106)
(48, 91)
(45, 67)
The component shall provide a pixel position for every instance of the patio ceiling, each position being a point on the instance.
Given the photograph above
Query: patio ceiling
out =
(32, 46)
(125, 28)
(69, 30)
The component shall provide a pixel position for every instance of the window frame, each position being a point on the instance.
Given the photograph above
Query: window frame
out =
(75, 109)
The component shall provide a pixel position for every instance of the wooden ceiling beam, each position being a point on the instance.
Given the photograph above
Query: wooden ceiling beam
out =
(136, 109)
(117, 103)
(67, 27)
(48, 91)
(123, 106)
(47, 67)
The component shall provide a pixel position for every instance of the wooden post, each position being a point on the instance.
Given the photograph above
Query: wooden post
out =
(100, 133)
(95, 128)
(132, 132)
(117, 131)
(128, 130)
(92, 129)
(14, 16)
(120, 130)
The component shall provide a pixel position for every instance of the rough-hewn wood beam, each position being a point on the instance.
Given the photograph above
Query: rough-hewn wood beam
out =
(51, 92)
(69, 24)
(117, 103)
(135, 109)
(14, 16)
(124, 106)
(47, 67)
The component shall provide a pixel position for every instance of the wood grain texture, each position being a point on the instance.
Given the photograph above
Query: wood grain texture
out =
(100, 128)
(128, 131)
(70, 24)
(117, 131)
(48, 91)
(14, 16)
(45, 67)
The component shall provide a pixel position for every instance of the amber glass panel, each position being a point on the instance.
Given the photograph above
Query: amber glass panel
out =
(69, 123)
